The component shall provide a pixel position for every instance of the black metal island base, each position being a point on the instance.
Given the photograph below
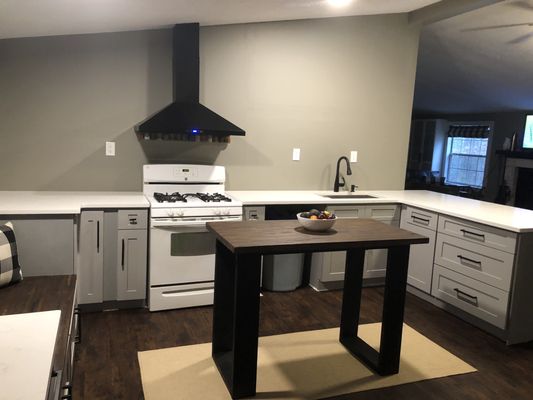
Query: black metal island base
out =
(239, 248)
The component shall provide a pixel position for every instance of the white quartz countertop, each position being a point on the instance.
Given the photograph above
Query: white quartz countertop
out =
(66, 202)
(27, 344)
(497, 215)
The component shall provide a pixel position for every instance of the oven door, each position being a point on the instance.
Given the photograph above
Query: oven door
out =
(181, 252)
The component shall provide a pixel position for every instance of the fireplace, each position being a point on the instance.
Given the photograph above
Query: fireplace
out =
(524, 188)
(519, 178)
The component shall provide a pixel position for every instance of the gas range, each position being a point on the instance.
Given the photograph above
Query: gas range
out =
(183, 198)
(184, 191)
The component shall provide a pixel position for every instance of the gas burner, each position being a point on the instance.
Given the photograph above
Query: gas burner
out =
(212, 197)
(169, 198)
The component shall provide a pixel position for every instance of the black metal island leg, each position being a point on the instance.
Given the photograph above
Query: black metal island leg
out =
(386, 361)
(236, 319)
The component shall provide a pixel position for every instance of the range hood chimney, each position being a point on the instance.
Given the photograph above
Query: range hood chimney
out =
(185, 115)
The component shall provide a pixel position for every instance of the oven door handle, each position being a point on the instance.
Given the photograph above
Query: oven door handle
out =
(170, 223)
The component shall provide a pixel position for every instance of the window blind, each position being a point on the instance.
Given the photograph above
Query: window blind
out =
(469, 131)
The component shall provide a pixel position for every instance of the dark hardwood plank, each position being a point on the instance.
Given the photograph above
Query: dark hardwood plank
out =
(107, 366)
(287, 236)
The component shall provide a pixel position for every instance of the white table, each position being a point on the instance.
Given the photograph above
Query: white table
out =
(27, 344)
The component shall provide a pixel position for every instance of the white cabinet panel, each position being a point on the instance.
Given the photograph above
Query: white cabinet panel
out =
(481, 300)
(420, 258)
(329, 267)
(419, 217)
(493, 267)
(477, 233)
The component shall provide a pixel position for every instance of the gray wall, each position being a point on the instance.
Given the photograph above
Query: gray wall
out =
(325, 86)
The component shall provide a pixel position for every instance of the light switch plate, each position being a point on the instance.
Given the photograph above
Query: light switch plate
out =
(353, 156)
(110, 149)
(295, 154)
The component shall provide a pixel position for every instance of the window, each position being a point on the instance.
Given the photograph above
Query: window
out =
(466, 155)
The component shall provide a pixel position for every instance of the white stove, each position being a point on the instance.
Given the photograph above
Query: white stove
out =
(182, 252)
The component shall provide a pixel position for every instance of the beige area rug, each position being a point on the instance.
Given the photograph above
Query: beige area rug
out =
(302, 365)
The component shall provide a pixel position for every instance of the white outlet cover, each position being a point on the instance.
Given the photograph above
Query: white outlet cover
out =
(110, 149)
(295, 154)
(353, 156)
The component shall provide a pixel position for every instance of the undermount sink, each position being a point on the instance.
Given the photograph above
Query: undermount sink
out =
(350, 196)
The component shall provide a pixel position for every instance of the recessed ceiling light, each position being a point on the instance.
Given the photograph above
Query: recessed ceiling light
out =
(339, 3)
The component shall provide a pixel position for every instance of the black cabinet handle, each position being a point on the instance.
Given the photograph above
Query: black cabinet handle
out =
(479, 235)
(98, 236)
(415, 218)
(463, 258)
(77, 335)
(122, 258)
(466, 297)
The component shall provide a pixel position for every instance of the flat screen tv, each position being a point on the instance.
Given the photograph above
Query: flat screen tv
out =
(527, 143)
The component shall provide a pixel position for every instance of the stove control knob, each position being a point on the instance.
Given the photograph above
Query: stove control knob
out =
(217, 212)
(178, 213)
(170, 213)
(226, 211)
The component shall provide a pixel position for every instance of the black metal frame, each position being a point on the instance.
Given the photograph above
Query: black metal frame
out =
(236, 315)
(386, 361)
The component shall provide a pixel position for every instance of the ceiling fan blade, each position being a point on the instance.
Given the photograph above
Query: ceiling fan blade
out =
(522, 4)
(485, 28)
(521, 39)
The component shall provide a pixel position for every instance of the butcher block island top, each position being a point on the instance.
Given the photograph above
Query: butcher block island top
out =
(288, 236)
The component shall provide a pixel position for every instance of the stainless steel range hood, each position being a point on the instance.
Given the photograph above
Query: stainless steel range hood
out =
(185, 115)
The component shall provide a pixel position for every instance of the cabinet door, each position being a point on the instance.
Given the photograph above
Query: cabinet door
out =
(91, 257)
(376, 260)
(334, 262)
(420, 258)
(131, 268)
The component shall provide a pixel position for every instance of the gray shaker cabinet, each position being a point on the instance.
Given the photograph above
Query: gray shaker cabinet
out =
(91, 257)
(131, 268)
(112, 256)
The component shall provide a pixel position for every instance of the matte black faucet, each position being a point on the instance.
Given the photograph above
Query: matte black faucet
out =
(337, 183)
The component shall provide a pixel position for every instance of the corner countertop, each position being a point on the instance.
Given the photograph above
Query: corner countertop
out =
(26, 202)
(27, 344)
(496, 215)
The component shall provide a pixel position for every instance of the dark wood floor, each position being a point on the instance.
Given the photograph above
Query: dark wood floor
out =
(107, 367)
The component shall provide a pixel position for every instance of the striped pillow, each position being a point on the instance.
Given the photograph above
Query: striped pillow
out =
(9, 264)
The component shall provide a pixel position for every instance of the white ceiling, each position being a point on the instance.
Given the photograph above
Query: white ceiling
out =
(25, 18)
(476, 62)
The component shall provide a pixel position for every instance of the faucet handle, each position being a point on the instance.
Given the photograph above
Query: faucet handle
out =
(353, 188)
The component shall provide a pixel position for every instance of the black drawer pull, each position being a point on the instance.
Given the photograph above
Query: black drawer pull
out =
(479, 235)
(98, 236)
(463, 258)
(414, 217)
(122, 258)
(466, 297)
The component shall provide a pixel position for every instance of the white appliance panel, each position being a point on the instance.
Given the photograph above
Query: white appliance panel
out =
(181, 255)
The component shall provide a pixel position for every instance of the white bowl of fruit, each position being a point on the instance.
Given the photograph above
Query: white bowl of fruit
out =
(315, 220)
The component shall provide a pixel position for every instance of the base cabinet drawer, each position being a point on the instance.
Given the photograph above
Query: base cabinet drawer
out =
(490, 266)
(477, 233)
(481, 300)
(418, 217)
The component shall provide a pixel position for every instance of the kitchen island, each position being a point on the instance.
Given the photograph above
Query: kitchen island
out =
(237, 280)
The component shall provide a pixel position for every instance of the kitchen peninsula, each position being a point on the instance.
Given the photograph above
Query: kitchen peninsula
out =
(475, 266)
